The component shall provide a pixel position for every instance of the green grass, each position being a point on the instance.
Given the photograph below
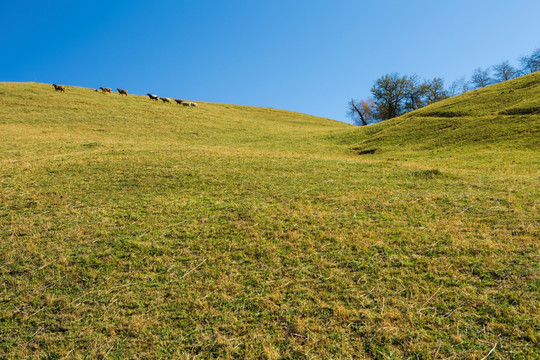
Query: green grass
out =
(135, 229)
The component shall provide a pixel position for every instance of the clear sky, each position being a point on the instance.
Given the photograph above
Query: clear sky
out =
(309, 56)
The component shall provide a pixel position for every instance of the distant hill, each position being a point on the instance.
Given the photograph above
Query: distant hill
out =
(81, 114)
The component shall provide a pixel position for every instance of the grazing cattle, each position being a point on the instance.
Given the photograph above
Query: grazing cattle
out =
(178, 101)
(153, 97)
(186, 103)
(194, 104)
(122, 91)
(104, 89)
(165, 99)
(59, 88)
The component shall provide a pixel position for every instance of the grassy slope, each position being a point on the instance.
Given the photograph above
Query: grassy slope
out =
(493, 122)
(138, 229)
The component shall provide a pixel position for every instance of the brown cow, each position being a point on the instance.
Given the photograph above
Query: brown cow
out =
(104, 89)
(59, 88)
(165, 99)
(122, 91)
(178, 101)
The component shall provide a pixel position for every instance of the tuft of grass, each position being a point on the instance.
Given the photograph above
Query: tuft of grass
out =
(135, 229)
(428, 174)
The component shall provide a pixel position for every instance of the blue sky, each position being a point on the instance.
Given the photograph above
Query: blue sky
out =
(306, 56)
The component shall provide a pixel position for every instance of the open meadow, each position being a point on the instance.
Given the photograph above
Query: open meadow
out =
(139, 229)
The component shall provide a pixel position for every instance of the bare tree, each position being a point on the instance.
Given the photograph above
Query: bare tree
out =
(453, 88)
(415, 93)
(531, 63)
(464, 84)
(480, 78)
(361, 112)
(458, 86)
(504, 71)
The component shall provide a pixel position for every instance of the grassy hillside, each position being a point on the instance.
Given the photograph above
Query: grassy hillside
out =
(135, 229)
(477, 127)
